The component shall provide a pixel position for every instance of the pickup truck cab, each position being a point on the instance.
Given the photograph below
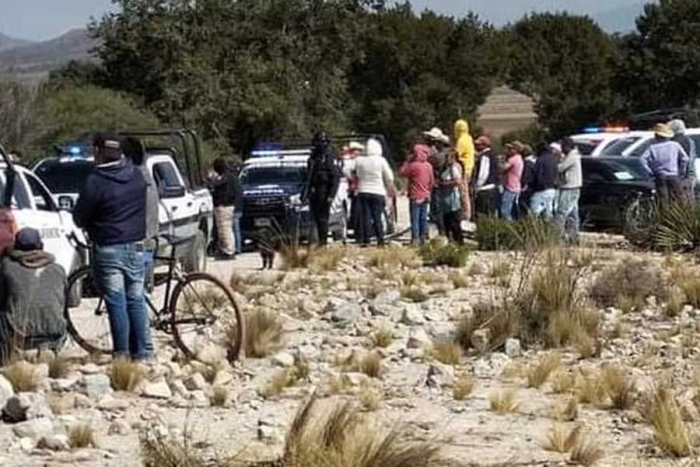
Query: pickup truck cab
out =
(183, 212)
(32, 205)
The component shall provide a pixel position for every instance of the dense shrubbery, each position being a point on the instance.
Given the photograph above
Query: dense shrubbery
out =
(673, 228)
(494, 234)
(441, 253)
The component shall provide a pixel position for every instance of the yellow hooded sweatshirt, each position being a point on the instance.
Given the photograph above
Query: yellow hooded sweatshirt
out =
(464, 146)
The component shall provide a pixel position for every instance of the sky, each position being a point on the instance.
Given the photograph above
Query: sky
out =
(46, 19)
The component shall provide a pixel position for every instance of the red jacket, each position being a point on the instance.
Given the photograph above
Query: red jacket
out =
(419, 173)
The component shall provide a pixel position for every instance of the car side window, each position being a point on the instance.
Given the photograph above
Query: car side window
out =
(42, 198)
(641, 149)
(165, 176)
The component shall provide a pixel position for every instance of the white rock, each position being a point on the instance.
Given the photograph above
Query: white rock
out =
(90, 369)
(418, 339)
(119, 427)
(173, 369)
(440, 375)
(195, 382)
(26, 444)
(95, 385)
(412, 315)
(283, 359)
(178, 387)
(480, 339)
(222, 378)
(26, 406)
(6, 390)
(55, 443)
(513, 348)
(63, 384)
(158, 390)
(34, 429)
(111, 403)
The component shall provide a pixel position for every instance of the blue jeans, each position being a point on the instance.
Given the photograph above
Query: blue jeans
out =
(238, 240)
(372, 210)
(567, 218)
(119, 274)
(419, 221)
(509, 200)
(542, 203)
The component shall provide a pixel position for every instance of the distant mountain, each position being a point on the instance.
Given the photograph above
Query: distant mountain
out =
(42, 57)
(619, 19)
(7, 42)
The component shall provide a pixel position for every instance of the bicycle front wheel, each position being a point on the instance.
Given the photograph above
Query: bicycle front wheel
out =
(206, 317)
(86, 313)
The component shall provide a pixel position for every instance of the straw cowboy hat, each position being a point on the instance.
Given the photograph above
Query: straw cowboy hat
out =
(663, 131)
(436, 134)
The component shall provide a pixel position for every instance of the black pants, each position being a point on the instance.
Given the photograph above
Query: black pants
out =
(320, 210)
(670, 190)
(486, 203)
(453, 229)
(372, 208)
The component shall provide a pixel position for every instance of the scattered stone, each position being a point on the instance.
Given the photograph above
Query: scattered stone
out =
(342, 312)
(412, 315)
(440, 375)
(90, 369)
(95, 385)
(6, 390)
(283, 359)
(418, 339)
(54, 443)
(491, 365)
(195, 382)
(173, 369)
(355, 379)
(63, 384)
(26, 406)
(26, 444)
(82, 401)
(513, 348)
(178, 387)
(111, 403)
(119, 427)
(222, 378)
(480, 339)
(157, 390)
(34, 429)
(211, 354)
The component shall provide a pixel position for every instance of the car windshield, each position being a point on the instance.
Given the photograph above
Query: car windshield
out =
(63, 177)
(618, 147)
(273, 175)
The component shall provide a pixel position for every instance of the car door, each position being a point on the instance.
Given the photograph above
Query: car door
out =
(178, 213)
(52, 224)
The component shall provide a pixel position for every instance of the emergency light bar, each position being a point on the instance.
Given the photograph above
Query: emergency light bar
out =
(280, 152)
(608, 129)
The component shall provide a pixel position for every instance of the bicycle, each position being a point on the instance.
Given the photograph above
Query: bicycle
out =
(198, 310)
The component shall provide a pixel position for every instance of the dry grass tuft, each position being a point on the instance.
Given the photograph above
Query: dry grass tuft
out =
(370, 399)
(164, 451)
(446, 352)
(563, 382)
(567, 412)
(392, 259)
(560, 441)
(382, 338)
(414, 294)
(23, 376)
(620, 389)
(475, 269)
(586, 452)
(82, 435)
(504, 402)
(459, 280)
(627, 284)
(538, 374)
(125, 375)
(281, 380)
(339, 385)
(218, 397)
(327, 259)
(370, 364)
(59, 367)
(263, 333)
(589, 388)
(462, 388)
(671, 433)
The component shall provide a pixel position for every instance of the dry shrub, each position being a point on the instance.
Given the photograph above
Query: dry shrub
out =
(447, 352)
(501, 270)
(126, 375)
(341, 437)
(296, 256)
(393, 258)
(504, 402)
(499, 318)
(459, 280)
(159, 450)
(590, 388)
(370, 399)
(462, 388)
(339, 385)
(538, 374)
(563, 382)
(414, 294)
(81, 435)
(674, 305)
(689, 283)
(218, 396)
(439, 253)
(628, 284)
(327, 259)
(23, 376)
(370, 364)
(475, 269)
(382, 338)
(59, 367)
(263, 333)
(619, 388)
(560, 441)
(586, 452)
(671, 433)
(567, 412)
(281, 380)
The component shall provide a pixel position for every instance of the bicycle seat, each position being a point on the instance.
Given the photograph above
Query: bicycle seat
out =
(174, 240)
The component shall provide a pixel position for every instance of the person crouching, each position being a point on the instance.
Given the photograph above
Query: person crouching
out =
(32, 297)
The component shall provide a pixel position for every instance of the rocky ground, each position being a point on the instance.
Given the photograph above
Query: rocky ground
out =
(373, 329)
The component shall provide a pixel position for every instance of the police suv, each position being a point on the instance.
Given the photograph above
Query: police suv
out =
(184, 212)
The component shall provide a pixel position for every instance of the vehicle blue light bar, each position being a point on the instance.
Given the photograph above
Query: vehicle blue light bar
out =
(604, 129)
(75, 150)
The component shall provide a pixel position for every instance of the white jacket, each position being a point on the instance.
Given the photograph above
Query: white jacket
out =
(373, 171)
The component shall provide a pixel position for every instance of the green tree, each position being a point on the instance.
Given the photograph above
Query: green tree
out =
(566, 64)
(20, 119)
(661, 64)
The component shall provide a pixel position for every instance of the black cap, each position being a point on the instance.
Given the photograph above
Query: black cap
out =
(28, 239)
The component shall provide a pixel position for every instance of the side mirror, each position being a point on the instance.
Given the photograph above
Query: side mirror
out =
(172, 192)
(66, 203)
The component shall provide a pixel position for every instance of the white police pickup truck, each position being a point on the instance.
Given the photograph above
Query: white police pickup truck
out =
(31, 205)
(183, 212)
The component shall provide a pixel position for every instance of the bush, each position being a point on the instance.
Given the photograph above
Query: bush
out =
(444, 254)
(672, 228)
(494, 234)
(628, 284)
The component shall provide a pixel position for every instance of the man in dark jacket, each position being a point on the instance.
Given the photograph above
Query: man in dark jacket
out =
(237, 190)
(689, 178)
(112, 208)
(544, 179)
(324, 173)
(223, 197)
(32, 297)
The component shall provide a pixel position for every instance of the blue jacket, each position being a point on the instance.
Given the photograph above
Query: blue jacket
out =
(664, 159)
(112, 204)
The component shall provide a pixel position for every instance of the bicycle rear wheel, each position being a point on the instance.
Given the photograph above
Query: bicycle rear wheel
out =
(206, 317)
(87, 318)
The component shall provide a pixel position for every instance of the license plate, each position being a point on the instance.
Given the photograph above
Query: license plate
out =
(263, 222)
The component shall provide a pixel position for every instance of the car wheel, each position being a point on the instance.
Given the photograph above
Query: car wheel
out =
(196, 258)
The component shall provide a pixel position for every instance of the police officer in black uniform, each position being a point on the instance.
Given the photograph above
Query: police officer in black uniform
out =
(324, 173)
